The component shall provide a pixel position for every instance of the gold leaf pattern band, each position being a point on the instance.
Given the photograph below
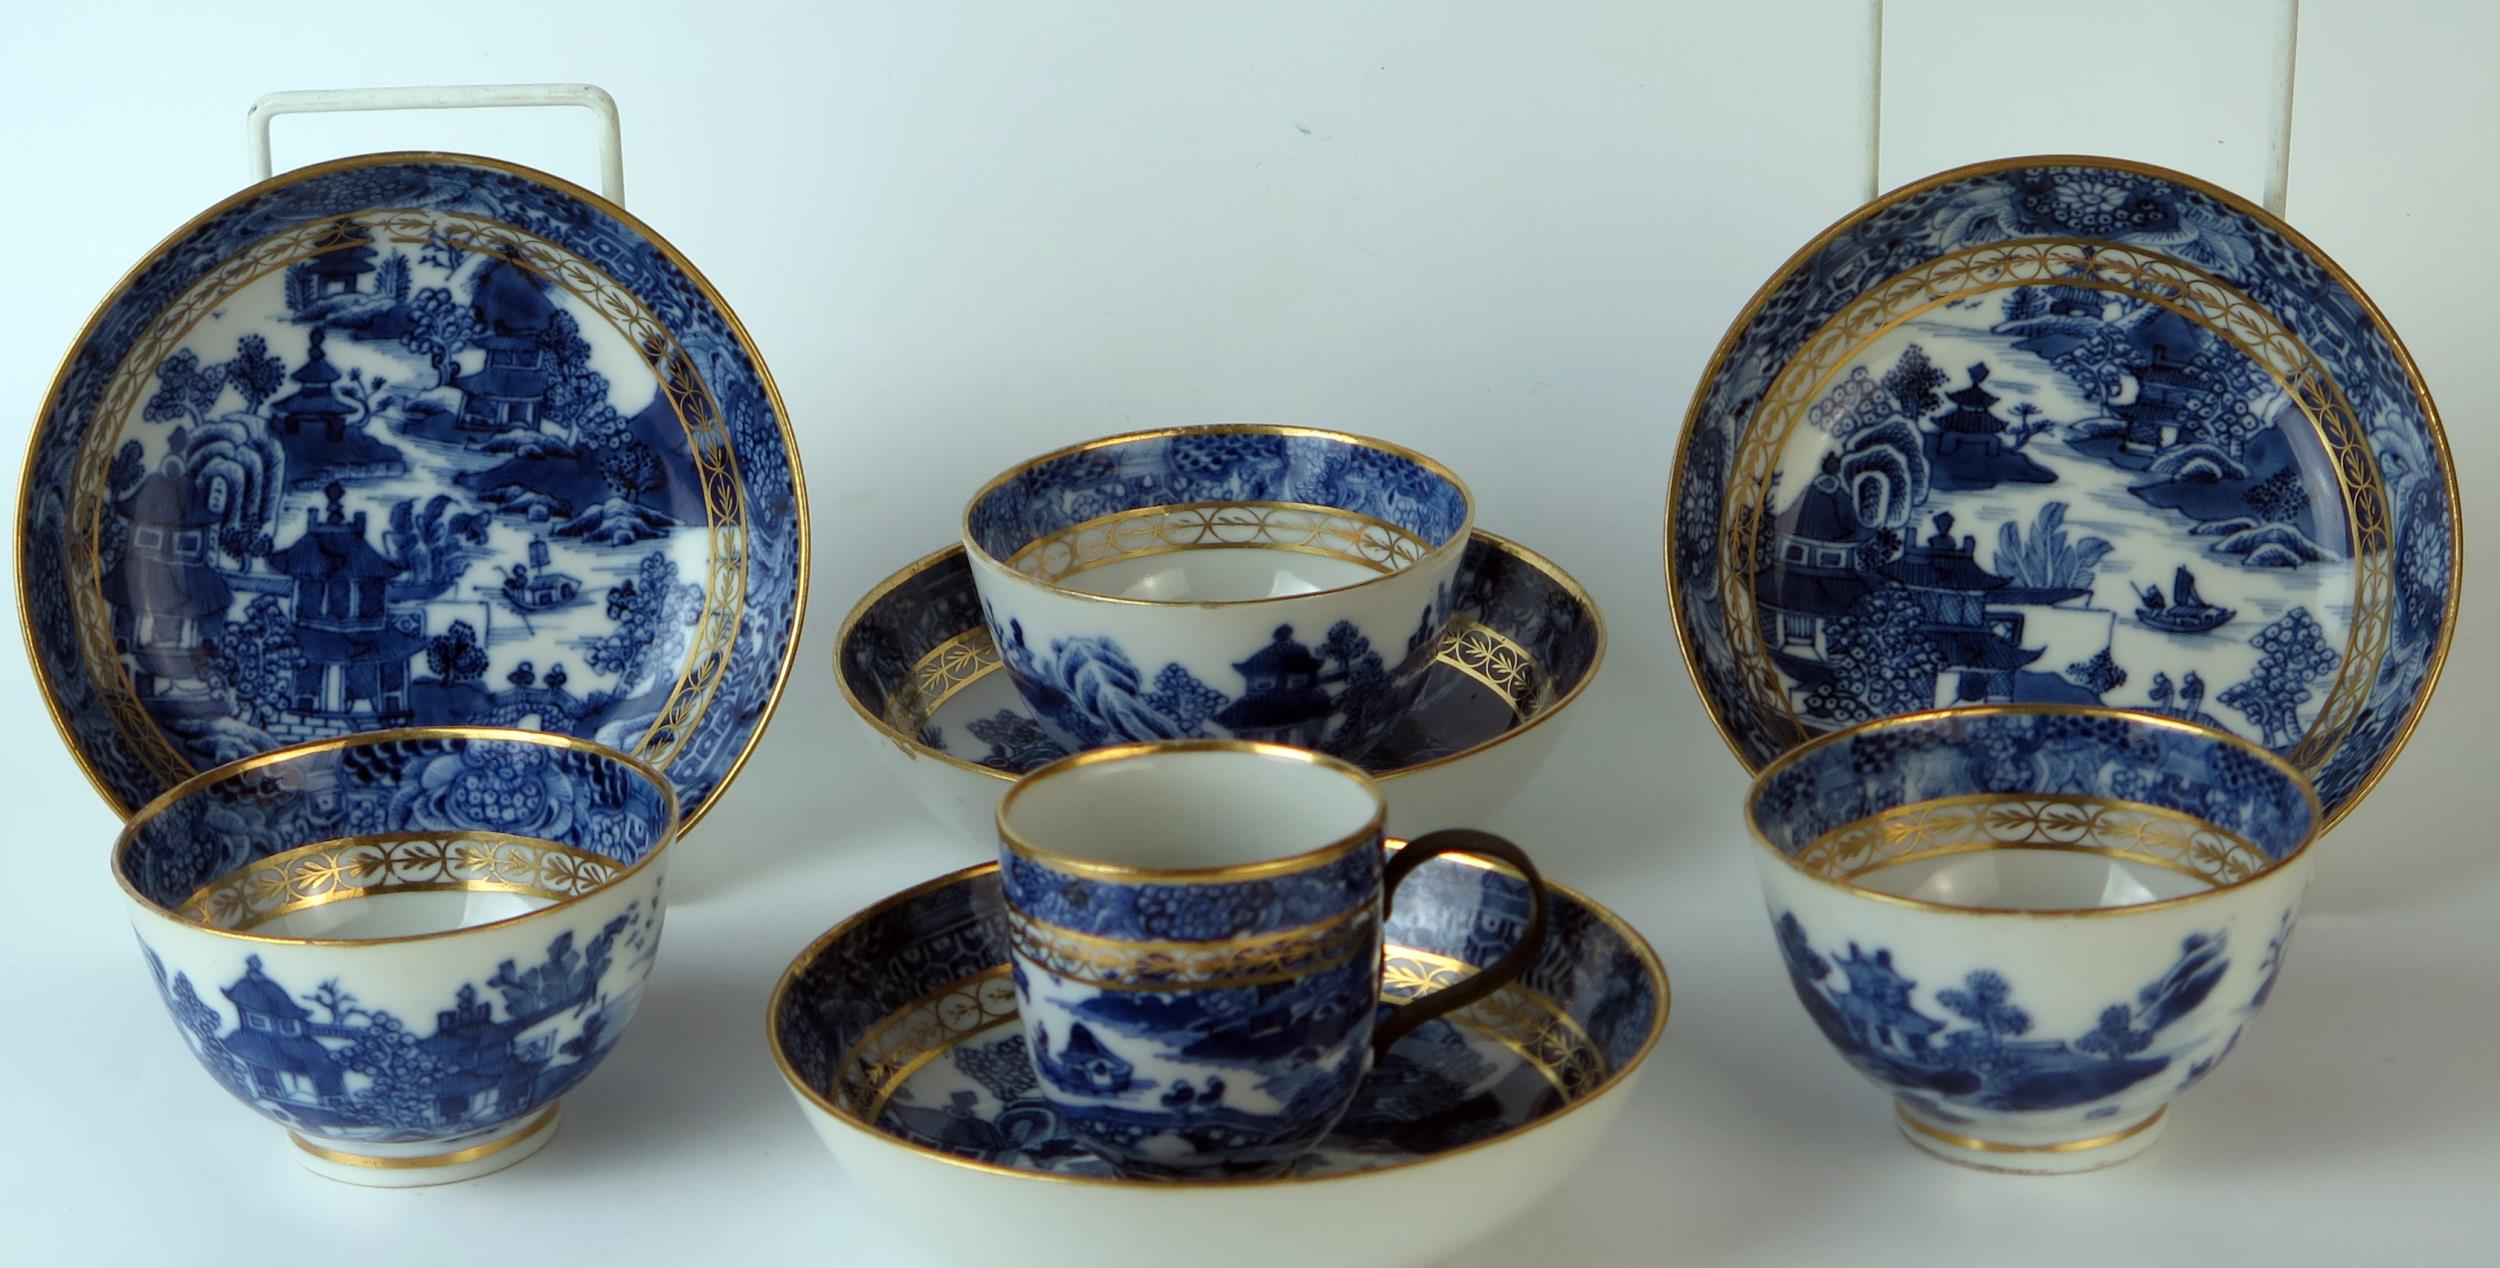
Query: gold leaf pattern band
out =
(1471, 647)
(1148, 531)
(2129, 830)
(1128, 964)
(365, 866)
(1527, 1022)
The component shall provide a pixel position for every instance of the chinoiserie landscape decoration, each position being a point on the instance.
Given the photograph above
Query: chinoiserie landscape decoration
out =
(411, 439)
(2069, 431)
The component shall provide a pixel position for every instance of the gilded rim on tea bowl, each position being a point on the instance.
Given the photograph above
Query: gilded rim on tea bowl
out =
(404, 947)
(917, 664)
(897, 1032)
(1318, 565)
(411, 439)
(2033, 926)
(2066, 430)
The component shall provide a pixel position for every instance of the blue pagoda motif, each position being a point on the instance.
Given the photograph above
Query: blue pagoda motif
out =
(1983, 645)
(1969, 444)
(279, 1046)
(167, 598)
(340, 269)
(361, 1074)
(1086, 1068)
(487, 1069)
(1991, 1060)
(1877, 1006)
(312, 411)
(2166, 390)
(510, 392)
(356, 649)
(1285, 696)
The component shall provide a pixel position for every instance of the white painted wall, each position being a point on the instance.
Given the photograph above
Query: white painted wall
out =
(1508, 234)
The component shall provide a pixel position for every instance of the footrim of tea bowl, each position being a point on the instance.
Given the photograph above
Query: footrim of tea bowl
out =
(2057, 1158)
(424, 1163)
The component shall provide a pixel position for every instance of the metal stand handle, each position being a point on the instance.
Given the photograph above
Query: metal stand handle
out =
(589, 97)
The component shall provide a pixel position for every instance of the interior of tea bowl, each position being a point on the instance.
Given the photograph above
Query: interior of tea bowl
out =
(2033, 925)
(403, 946)
(917, 665)
(1235, 581)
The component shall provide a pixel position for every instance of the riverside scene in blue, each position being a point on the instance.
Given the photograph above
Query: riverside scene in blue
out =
(2066, 434)
(321, 1060)
(446, 463)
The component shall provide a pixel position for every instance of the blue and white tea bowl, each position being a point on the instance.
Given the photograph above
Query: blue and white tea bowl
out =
(2034, 926)
(898, 1032)
(1234, 581)
(1524, 642)
(404, 946)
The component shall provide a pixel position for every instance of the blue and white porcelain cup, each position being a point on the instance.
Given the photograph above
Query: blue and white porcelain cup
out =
(1237, 581)
(2033, 925)
(1196, 935)
(404, 946)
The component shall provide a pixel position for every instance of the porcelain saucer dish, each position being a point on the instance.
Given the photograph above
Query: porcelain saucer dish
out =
(411, 439)
(916, 662)
(897, 1031)
(2066, 431)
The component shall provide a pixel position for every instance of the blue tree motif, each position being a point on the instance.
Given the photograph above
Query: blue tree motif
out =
(255, 371)
(2116, 1036)
(401, 1070)
(2294, 654)
(1179, 696)
(1913, 383)
(1800, 953)
(186, 389)
(2099, 675)
(1366, 692)
(652, 610)
(1855, 402)
(255, 660)
(439, 329)
(1017, 743)
(1879, 656)
(1986, 999)
(130, 465)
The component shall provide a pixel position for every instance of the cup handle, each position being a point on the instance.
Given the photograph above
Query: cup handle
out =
(1492, 977)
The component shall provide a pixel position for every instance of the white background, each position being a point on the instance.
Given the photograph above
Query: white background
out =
(1508, 234)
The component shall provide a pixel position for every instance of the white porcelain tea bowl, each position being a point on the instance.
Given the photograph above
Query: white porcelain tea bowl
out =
(1233, 581)
(2034, 926)
(403, 946)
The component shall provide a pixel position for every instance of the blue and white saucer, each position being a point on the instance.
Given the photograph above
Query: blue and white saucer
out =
(897, 1031)
(916, 662)
(2066, 431)
(411, 439)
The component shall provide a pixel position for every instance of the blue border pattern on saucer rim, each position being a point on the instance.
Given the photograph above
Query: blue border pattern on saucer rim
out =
(2045, 223)
(739, 451)
(924, 973)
